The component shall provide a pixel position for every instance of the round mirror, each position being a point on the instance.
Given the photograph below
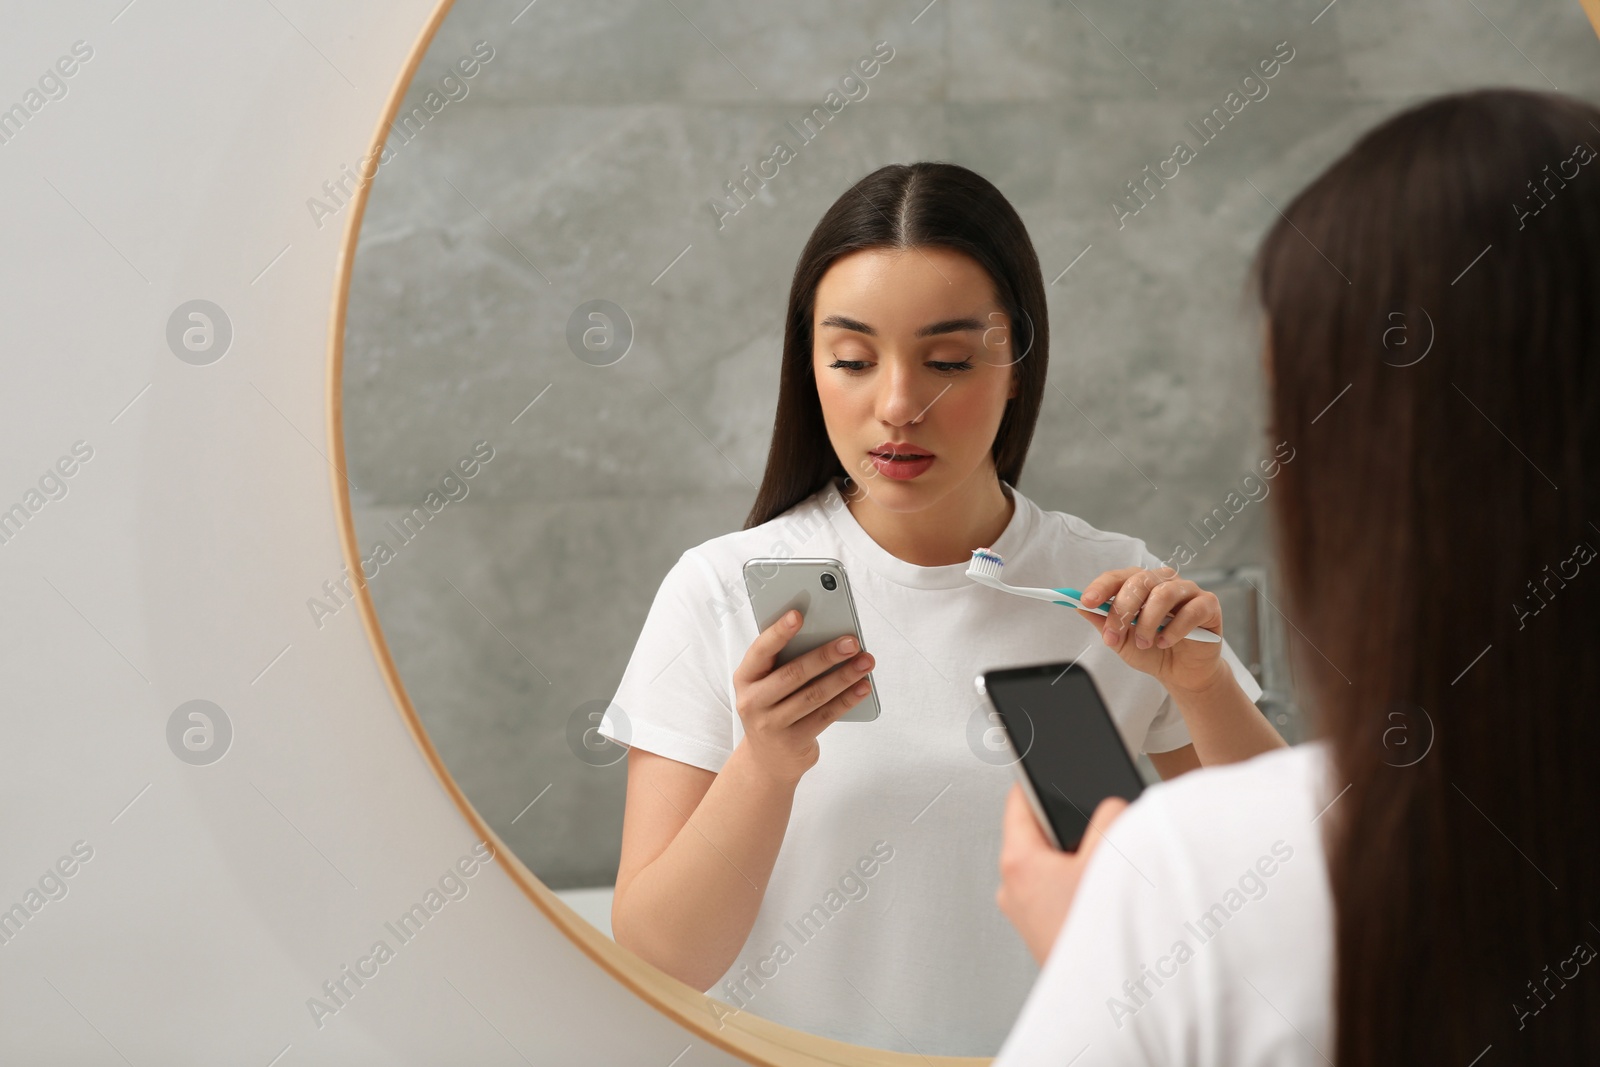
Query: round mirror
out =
(562, 362)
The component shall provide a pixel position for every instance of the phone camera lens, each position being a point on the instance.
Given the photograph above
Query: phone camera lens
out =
(828, 581)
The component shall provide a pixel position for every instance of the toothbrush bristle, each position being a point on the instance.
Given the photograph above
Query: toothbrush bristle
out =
(985, 562)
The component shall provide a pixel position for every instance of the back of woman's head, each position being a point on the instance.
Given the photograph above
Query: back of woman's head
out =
(1433, 305)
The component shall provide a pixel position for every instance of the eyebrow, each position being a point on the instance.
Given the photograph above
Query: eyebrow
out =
(961, 325)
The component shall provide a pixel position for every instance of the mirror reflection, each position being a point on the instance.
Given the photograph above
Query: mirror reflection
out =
(669, 318)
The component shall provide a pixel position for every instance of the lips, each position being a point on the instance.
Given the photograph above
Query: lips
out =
(901, 450)
(901, 461)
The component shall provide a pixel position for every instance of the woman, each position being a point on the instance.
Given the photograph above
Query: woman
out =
(843, 887)
(1422, 885)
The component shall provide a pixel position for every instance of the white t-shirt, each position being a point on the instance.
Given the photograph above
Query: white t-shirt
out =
(1214, 907)
(892, 849)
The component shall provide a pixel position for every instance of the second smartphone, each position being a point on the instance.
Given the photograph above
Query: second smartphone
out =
(1069, 755)
(821, 592)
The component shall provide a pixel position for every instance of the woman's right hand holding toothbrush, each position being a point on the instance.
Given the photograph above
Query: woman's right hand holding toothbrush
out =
(783, 709)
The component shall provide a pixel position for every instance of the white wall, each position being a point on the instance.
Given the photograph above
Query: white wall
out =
(216, 899)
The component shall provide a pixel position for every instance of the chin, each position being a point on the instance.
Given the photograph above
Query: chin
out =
(915, 495)
(899, 496)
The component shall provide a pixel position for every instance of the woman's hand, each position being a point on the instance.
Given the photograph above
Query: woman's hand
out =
(1037, 881)
(784, 710)
(1152, 595)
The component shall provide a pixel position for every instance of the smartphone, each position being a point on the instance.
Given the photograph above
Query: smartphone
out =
(1069, 755)
(820, 589)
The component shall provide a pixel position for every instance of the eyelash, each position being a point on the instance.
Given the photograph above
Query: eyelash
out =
(856, 366)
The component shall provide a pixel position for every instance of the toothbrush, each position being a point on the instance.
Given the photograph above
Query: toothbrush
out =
(985, 569)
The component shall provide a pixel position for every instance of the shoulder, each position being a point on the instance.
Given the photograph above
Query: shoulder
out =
(1298, 770)
(1282, 789)
(1243, 838)
(1203, 828)
(1062, 528)
(792, 533)
(705, 584)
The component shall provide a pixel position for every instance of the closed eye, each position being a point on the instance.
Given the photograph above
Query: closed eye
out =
(856, 366)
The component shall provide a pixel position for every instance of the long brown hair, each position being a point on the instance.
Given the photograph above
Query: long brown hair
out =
(1433, 305)
(906, 205)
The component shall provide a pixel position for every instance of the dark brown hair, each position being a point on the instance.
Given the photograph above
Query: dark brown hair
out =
(1433, 305)
(906, 205)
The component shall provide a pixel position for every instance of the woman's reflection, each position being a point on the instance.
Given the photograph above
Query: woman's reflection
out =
(846, 886)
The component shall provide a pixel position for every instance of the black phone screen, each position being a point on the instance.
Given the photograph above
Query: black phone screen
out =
(1071, 751)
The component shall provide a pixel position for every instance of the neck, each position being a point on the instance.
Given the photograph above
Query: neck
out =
(971, 516)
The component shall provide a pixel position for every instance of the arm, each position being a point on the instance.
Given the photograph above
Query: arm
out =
(1171, 764)
(697, 846)
(697, 850)
(1225, 724)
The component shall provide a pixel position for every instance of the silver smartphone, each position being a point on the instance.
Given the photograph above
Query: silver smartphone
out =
(821, 592)
(1069, 754)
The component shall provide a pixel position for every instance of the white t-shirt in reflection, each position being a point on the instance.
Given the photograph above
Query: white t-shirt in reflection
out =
(879, 924)
(1205, 936)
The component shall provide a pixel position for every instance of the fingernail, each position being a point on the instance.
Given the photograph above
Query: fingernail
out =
(792, 619)
(1111, 636)
(847, 645)
(1141, 640)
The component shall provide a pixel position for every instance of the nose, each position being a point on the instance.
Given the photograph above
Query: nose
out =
(899, 399)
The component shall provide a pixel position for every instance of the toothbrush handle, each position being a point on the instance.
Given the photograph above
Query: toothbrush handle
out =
(1197, 634)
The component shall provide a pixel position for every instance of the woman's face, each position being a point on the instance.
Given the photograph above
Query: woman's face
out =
(908, 335)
